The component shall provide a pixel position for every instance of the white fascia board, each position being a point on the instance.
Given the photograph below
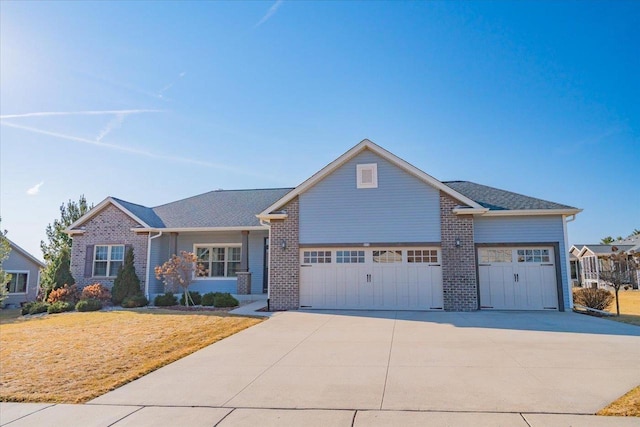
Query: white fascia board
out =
(527, 212)
(97, 209)
(269, 217)
(74, 232)
(585, 250)
(392, 158)
(470, 211)
(200, 229)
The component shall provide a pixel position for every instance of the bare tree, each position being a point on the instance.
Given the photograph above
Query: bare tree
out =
(179, 272)
(618, 270)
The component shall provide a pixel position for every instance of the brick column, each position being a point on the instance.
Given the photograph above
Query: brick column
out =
(284, 267)
(459, 281)
(243, 283)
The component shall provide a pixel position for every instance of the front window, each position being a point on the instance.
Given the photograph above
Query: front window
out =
(18, 282)
(107, 260)
(218, 261)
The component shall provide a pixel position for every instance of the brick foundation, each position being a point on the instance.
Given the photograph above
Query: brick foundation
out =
(243, 283)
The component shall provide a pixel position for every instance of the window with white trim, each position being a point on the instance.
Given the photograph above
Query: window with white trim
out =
(429, 256)
(350, 257)
(367, 175)
(387, 256)
(107, 260)
(218, 261)
(18, 282)
(317, 257)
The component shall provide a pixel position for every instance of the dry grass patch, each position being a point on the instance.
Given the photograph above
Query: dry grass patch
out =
(75, 357)
(629, 307)
(627, 406)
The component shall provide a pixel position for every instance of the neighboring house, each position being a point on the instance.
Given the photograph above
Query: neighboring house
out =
(368, 231)
(25, 276)
(590, 259)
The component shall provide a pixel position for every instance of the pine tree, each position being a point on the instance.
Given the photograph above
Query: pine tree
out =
(62, 270)
(126, 283)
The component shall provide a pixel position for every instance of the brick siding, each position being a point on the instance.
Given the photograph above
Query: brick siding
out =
(109, 227)
(459, 279)
(284, 268)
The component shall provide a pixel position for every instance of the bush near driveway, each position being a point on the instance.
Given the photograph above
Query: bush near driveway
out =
(81, 356)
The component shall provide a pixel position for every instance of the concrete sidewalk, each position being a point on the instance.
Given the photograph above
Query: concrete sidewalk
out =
(90, 415)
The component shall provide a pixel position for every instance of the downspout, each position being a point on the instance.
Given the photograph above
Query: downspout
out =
(565, 220)
(146, 282)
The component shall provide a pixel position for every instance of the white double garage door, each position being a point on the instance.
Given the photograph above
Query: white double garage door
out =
(410, 278)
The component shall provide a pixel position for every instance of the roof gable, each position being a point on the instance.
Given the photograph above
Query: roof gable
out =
(26, 254)
(376, 149)
(120, 204)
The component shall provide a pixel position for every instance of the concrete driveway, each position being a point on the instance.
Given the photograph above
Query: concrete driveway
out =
(558, 363)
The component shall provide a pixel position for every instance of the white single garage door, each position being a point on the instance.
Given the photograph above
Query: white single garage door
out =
(518, 278)
(371, 279)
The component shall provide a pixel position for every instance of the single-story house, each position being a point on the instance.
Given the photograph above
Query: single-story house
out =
(368, 231)
(25, 276)
(588, 260)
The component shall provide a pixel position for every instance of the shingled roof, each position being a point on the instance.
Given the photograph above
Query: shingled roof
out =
(496, 199)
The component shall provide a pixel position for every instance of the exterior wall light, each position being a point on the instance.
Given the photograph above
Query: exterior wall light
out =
(283, 244)
(458, 242)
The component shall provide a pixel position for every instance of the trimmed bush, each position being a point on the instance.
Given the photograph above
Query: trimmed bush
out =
(89, 305)
(67, 293)
(135, 301)
(166, 300)
(34, 307)
(60, 307)
(126, 283)
(593, 298)
(96, 291)
(207, 299)
(224, 300)
(195, 297)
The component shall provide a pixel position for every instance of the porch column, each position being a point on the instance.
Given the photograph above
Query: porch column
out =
(173, 244)
(244, 254)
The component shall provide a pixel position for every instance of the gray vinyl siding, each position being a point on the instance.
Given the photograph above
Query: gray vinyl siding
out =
(159, 254)
(526, 229)
(18, 262)
(402, 208)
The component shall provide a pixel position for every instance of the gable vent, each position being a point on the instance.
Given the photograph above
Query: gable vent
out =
(367, 175)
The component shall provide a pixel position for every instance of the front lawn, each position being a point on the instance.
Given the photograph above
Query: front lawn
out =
(629, 307)
(75, 357)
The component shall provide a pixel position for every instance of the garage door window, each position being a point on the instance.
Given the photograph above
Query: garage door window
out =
(496, 255)
(350, 257)
(317, 257)
(387, 256)
(533, 255)
(422, 256)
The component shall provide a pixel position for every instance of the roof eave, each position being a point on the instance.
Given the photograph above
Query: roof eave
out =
(529, 212)
(199, 229)
(97, 209)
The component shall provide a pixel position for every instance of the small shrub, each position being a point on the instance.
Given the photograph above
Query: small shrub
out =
(35, 307)
(207, 299)
(66, 293)
(166, 300)
(126, 283)
(195, 297)
(224, 300)
(96, 291)
(593, 298)
(59, 307)
(135, 301)
(89, 305)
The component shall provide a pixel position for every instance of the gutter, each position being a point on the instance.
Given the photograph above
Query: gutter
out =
(146, 282)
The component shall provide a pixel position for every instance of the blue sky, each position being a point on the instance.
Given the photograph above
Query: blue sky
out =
(154, 102)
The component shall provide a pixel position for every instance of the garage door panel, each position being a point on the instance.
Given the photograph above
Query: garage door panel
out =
(517, 278)
(390, 283)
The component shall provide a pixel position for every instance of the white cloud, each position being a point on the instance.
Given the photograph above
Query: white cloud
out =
(35, 189)
(78, 113)
(272, 10)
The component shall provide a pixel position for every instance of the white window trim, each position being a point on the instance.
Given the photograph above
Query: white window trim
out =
(217, 245)
(373, 167)
(108, 260)
(26, 287)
